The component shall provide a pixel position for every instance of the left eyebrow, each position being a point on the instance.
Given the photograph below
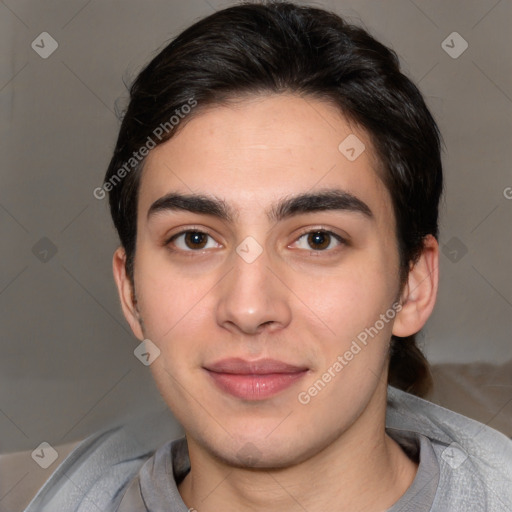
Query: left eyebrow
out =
(327, 199)
(323, 200)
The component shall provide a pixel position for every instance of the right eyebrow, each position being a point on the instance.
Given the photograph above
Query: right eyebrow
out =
(195, 203)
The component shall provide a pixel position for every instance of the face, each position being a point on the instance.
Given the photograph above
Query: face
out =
(259, 302)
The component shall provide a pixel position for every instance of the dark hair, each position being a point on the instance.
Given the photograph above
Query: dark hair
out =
(281, 47)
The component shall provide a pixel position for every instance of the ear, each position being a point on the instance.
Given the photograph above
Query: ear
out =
(126, 292)
(419, 294)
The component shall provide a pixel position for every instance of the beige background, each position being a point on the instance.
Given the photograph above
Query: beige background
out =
(67, 366)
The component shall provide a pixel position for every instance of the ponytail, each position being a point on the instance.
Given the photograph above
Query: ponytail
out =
(409, 369)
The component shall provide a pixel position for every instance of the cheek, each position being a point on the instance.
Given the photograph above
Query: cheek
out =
(168, 302)
(352, 299)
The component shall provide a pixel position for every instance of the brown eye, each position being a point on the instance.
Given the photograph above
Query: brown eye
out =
(195, 239)
(319, 240)
(190, 241)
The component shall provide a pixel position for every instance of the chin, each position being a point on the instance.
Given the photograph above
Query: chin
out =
(256, 455)
(261, 451)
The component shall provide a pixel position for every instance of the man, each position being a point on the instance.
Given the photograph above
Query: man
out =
(275, 186)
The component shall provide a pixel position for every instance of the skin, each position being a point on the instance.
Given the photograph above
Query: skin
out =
(294, 303)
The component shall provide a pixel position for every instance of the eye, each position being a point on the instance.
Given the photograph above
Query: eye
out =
(192, 241)
(319, 240)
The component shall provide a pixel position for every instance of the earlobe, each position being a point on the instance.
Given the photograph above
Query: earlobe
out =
(419, 294)
(126, 292)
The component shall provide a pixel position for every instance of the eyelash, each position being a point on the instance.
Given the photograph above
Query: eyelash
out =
(323, 231)
(190, 252)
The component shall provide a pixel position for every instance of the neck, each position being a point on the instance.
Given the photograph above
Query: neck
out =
(362, 469)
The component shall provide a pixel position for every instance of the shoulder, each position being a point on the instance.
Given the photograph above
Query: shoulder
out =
(95, 472)
(475, 461)
(21, 477)
(98, 470)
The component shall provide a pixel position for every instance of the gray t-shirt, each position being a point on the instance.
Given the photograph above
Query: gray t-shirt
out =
(155, 487)
(463, 466)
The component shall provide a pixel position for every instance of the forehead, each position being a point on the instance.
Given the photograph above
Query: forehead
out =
(257, 150)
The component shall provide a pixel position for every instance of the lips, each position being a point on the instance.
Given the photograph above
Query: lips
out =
(254, 380)
(259, 367)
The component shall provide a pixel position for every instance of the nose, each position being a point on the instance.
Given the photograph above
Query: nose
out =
(253, 297)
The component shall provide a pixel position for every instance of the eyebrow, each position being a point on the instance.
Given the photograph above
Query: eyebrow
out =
(323, 200)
